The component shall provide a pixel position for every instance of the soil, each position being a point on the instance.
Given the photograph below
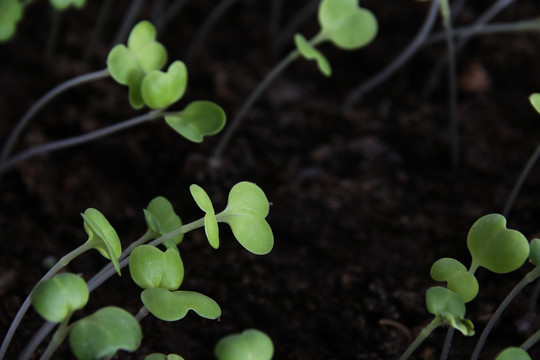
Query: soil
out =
(362, 203)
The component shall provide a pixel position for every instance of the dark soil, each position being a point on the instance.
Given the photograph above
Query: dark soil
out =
(363, 204)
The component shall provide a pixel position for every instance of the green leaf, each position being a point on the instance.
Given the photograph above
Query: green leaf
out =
(11, 12)
(458, 278)
(62, 5)
(513, 353)
(158, 356)
(161, 218)
(534, 253)
(251, 344)
(346, 24)
(129, 64)
(172, 306)
(495, 247)
(57, 298)
(449, 306)
(245, 213)
(103, 333)
(102, 236)
(160, 89)
(198, 119)
(153, 268)
(535, 101)
(311, 53)
(210, 222)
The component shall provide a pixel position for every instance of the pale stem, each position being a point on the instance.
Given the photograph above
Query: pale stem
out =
(435, 323)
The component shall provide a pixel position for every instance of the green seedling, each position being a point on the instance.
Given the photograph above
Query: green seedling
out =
(245, 213)
(198, 119)
(103, 333)
(161, 219)
(458, 279)
(343, 23)
(57, 298)
(62, 5)
(251, 344)
(152, 268)
(513, 353)
(11, 12)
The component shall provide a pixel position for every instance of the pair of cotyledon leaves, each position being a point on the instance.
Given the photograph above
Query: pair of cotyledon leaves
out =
(93, 337)
(493, 247)
(345, 24)
(138, 65)
(11, 12)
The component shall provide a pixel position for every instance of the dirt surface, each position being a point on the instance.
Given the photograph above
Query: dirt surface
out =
(362, 203)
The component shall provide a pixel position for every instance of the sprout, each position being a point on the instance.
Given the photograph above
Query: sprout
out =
(198, 119)
(458, 278)
(153, 268)
(161, 219)
(251, 344)
(174, 305)
(513, 353)
(11, 12)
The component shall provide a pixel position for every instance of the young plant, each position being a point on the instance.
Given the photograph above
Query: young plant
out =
(159, 272)
(491, 246)
(251, 344)
(343, 23)
(11, 12)
(138, 66)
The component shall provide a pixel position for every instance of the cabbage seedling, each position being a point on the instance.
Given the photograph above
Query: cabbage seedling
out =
(11, 12)
(251, 344)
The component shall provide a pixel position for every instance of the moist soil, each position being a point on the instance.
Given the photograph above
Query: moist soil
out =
(362, 203)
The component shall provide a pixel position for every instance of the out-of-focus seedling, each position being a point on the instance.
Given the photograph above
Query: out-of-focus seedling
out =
(11, 12)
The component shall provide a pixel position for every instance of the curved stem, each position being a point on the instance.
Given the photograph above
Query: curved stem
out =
(527, 279)
(77, 140)
(519, 183)
(447, 343)
(64, 261)
(37, 339)
(57, 339)
(214, 16)
(272, 75)
(44, 100)
(435, 323)
(398, 62)
(533, 339)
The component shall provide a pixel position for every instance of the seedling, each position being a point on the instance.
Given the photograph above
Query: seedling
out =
(11, 12)
(251, 344)
(160, 273)
(491, 246)
(137, 65)
(343, 22)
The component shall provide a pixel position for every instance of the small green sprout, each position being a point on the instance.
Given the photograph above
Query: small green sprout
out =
(57, 298)
(174, 305)
(11, 12)
(309, 52)
(161, 89)
(513, 353)
(153, 268)
(129, 64)
(458, 279)
(103, 333)
(448, 306)
(495, 247)
(198, 119)
(161, 219)
(251, 344)
(158, 356)
(102, 236)
(62, 5)
(245, 213)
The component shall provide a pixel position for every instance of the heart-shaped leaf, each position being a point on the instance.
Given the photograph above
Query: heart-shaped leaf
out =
(245, 213)
(129, 64)
(535, 101)
(449, 306)
(495, 247)
(198, 119)
(103, 333)
(171, 306)
(102, 236)
(311, 53)
(61, 5)
(11, 11)
(161, 219)
(210, 222)
(346, 24)
(57, 298)
(458, 278)
(153, 268)
(158, 356)
(513, 353)
(251, 344)
(160, 89)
